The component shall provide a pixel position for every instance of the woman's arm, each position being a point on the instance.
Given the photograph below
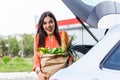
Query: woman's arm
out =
(36, 56)
(36, 67)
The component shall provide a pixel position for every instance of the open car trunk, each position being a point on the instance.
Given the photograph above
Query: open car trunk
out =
(92, 15)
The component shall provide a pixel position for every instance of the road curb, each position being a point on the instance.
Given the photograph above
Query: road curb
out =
(18, 76)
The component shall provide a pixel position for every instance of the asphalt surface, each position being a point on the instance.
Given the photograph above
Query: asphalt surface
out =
(18, 76)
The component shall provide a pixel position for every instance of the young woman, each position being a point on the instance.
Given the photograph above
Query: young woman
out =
(47, 36)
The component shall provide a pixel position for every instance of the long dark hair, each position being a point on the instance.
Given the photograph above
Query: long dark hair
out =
(42, 33)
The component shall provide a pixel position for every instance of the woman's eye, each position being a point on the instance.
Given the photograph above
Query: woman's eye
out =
(44, 23)
(51, 21)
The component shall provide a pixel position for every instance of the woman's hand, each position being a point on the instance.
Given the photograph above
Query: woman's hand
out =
(43, 76)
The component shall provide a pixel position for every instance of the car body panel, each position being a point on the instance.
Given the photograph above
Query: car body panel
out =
(88, 67)
(92, 14)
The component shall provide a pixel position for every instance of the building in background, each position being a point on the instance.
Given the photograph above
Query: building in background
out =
(74, 27)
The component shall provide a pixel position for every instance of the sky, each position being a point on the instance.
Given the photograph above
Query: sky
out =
(20, 16)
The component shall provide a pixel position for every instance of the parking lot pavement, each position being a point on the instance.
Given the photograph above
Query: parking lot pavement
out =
(18, 76)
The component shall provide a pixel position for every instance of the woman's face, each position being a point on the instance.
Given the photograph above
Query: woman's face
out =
(49, 25)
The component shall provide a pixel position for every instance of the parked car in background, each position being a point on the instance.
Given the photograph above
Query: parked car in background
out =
(102, 61)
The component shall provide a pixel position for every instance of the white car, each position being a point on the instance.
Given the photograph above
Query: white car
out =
(102, 61)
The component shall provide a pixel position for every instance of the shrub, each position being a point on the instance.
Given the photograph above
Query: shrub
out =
(19, 59)
(6, 59)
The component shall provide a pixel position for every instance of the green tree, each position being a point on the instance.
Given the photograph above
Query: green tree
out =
(3, 46)
(13, 46)
(28, 44)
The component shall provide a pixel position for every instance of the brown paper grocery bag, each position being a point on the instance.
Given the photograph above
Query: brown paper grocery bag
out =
(51, 63)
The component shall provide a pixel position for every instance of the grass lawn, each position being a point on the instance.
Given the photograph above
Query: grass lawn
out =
(17, 65)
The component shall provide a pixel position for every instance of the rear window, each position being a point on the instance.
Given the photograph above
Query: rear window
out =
(112, 60)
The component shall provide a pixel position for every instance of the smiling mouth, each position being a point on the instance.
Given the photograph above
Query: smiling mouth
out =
(49, 29)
